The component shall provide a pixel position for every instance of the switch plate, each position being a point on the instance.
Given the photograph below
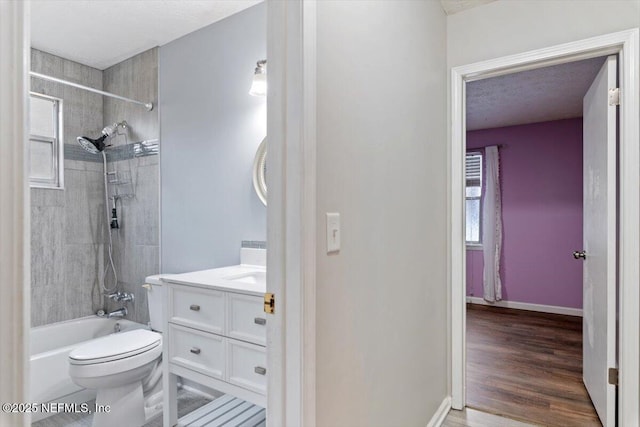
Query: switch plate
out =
(333, 232)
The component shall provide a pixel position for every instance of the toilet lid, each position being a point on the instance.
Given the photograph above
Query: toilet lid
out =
(115, 346)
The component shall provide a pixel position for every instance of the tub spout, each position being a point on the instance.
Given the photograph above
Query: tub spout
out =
(118, 313)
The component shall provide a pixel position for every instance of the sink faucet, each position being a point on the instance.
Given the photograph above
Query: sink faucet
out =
(121, 312)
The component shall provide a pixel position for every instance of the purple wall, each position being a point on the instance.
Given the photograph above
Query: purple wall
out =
(541, 175)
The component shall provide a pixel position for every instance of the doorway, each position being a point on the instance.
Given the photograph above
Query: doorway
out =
(599, 46)
(524, 350)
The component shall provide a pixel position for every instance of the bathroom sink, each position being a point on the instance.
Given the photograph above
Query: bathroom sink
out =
(252, 278)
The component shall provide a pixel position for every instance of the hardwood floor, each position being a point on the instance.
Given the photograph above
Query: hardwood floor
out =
(527, 366)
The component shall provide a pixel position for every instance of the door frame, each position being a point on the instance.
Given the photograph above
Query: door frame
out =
(625, 44)
(291, 45)
(291, 212)
(15, 258)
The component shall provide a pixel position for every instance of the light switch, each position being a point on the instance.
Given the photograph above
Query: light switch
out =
(333, 232)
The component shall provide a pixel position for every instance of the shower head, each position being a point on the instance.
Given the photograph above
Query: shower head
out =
(95, 146)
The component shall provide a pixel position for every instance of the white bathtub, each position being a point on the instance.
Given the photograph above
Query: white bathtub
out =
(50, 348)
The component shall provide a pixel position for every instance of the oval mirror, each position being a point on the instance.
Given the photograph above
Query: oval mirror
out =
(260, 172)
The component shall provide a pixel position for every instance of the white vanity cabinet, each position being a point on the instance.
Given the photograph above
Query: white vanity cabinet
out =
(214, 335)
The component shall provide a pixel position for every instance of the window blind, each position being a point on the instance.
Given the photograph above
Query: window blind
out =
(473, 169)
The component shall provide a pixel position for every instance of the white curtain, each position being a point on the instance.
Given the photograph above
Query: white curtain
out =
(492, 226)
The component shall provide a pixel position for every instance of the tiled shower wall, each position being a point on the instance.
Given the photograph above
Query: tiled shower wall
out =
(68, 226)
(136, 242)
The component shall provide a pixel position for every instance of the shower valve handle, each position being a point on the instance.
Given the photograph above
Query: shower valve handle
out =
(122, 296)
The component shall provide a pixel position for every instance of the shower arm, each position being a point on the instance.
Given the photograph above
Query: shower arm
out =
(147, 105)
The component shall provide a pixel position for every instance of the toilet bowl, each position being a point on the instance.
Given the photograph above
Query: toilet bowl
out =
(123, 366)
(115, 366)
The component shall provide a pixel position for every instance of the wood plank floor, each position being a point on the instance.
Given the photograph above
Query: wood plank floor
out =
(527, 366)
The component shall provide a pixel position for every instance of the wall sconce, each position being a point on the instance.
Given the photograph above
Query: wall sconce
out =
(259, 85)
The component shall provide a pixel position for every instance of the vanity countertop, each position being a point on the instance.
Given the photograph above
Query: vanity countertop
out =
(243, 278)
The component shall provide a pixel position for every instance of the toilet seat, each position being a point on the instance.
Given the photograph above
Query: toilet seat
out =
(114, 347)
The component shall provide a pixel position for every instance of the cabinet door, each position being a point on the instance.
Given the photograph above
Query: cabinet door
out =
(200, 351)
(197, 308)
(247, 365)
(247, 320)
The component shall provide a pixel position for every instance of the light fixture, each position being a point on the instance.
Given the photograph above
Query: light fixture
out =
(259, 85)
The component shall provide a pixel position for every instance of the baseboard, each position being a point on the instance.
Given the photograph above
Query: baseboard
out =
(441, 413)
(526, 306)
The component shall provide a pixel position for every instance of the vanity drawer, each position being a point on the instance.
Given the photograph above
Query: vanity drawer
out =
(200, 351)
(247, 365)
(201, 309)
(247, 320)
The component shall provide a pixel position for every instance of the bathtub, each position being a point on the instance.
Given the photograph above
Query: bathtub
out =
(50, 348)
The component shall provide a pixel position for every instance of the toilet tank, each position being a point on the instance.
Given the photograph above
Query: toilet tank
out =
(155, 302)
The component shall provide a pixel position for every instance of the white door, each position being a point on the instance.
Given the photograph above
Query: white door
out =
(599, 234)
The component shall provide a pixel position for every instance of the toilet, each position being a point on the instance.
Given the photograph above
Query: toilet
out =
(119, 366)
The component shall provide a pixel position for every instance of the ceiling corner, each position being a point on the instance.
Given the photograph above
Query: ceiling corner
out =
(454, 6)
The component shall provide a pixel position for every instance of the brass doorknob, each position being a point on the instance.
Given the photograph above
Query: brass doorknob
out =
(579, 254)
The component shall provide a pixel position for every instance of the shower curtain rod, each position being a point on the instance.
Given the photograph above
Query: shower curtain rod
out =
(147, 105)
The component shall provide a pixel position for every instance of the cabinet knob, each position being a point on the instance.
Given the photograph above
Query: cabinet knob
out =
(260, 321)
(194, 307)
(195, 350)
(259, 370)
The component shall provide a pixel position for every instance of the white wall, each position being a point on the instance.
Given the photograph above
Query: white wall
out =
(382, 149)
(508, 27)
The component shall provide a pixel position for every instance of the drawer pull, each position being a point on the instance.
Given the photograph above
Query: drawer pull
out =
(195, 307)
(260, 321)
(195, 350)
(259, 370)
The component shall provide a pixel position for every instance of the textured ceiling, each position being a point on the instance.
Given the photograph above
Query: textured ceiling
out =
(101, 33)
(540, 95)
(454, 6)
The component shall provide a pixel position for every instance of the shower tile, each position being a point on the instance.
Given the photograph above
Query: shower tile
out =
(70, 164)
(47, 197)
(135, 78)
(149, 161)
(95, 166)
(76, 157)
(149, 262)
(143, 261)
(47, 244)
(126, 261)
(47, 305)
(92, 113)
(146, 207)
(141, 312)
(68, 225)
(136, 246)
(81, 164)
(73, 71)
(44, 63)
(85, 216)
(83, 272)
(122, 255)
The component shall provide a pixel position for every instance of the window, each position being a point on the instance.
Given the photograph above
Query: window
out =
(473, 175)
(45, 142)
